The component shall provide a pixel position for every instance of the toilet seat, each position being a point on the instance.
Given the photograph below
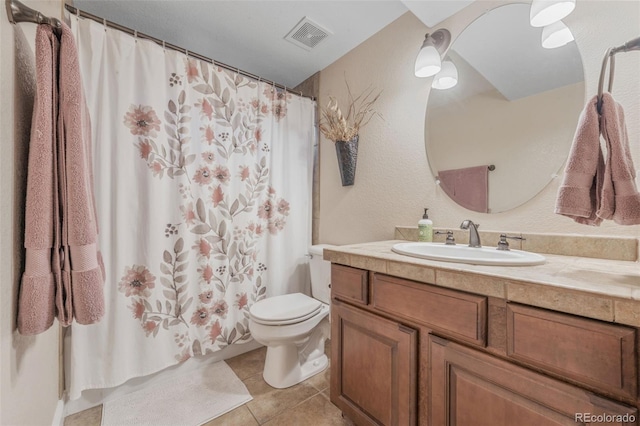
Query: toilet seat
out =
(286, 309)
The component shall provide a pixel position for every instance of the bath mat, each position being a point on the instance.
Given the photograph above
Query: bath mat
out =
(188, 400)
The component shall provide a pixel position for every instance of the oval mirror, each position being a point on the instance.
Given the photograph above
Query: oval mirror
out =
(503, 132)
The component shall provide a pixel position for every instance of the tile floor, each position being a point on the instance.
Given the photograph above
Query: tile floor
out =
(305, 404)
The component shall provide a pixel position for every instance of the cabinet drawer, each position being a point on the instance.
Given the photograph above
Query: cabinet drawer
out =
(457, 314)
(349, 284)
(597, 354)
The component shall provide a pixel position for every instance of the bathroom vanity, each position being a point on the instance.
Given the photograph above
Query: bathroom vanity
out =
(434, 343)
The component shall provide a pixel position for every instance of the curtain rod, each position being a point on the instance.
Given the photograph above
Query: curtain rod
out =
(187, 52)
(18, 12)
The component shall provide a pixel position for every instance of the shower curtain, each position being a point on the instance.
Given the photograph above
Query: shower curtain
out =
(203, 187)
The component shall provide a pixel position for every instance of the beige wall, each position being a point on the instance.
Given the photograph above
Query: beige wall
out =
(393, 181)
(28, 365)
(526, 139)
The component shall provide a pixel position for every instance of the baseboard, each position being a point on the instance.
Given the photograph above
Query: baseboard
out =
(58, 416)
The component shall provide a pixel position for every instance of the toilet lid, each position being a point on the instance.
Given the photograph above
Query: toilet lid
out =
(285, 308)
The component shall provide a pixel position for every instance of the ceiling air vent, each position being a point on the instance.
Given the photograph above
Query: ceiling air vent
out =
(307, 34)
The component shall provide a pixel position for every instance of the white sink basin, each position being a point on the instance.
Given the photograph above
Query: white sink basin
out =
(465, 254)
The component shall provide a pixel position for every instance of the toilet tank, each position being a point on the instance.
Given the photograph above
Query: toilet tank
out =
(320, 273)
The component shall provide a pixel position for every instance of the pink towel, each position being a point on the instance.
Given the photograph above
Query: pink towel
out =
(63, 265)
(468, 187)
(579, 194)
(620, 200)
(83, 264)
(37, 292)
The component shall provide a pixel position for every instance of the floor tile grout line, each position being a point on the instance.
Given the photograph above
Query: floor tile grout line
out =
(251, 377)
(251, 412)
(293, 407)
(318, 392)
(302, 402)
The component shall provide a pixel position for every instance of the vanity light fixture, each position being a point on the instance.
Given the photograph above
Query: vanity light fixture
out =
(429, 61)
(447, 77)
(546, 12)
(556, 35)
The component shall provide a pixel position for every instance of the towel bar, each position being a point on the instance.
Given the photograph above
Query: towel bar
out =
(610, 55)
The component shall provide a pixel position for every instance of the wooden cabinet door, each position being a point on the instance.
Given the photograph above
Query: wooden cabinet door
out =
(373, 367)
(467, 387)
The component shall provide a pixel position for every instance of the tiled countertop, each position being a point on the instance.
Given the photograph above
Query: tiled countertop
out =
(603, 289)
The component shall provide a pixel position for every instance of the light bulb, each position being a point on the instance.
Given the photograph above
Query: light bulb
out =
(428, 62)
(447, 77)
(546, 12)
(556, 35)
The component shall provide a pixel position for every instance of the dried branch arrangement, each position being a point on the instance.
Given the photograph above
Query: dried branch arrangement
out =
(336, 126)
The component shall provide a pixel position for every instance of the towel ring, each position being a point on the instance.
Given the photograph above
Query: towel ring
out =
(633, 44)
(612, 64)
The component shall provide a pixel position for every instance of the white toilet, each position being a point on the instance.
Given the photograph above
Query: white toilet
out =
(294, 327)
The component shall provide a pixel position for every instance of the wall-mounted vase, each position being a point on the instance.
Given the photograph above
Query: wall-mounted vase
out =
(347, 152)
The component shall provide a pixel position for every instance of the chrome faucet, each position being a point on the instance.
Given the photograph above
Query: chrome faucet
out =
(474, 237)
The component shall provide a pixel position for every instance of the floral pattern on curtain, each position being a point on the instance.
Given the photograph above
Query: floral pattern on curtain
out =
(226, 255)
(209, 174)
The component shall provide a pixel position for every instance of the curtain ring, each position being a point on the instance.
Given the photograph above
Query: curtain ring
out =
(186, 52)
(164, 46)
(104, 23)
(78, 13)
(135, 35)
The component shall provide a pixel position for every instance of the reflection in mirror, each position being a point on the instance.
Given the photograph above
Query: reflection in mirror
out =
(515, 107)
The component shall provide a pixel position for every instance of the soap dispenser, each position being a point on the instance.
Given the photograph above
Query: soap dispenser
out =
(425, 228)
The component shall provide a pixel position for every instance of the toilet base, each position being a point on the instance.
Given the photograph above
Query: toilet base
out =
(280, 374)
(290, 364)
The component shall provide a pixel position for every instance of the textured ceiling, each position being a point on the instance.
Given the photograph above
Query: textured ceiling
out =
(507, 51)
(432, 12)
(250, 34)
